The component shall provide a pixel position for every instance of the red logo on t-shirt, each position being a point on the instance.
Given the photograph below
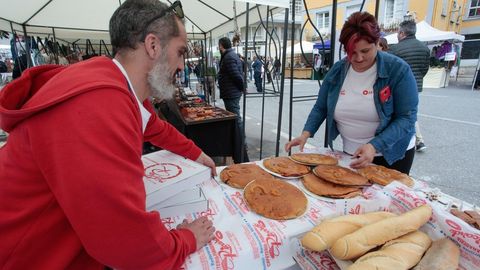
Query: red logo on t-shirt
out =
(342, 92)
(365, 92)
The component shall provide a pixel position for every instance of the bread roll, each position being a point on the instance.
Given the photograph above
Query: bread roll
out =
(442, 255)
(399, 254)
(323, 235)
(359, 242)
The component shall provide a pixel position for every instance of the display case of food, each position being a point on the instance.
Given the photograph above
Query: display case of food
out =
(193, 109)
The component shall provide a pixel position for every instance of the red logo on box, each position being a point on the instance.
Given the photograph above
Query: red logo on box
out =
(161, 172)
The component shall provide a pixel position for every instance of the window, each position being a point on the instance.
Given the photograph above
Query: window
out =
(393, 12)
(474, 9)
(298, 6)
(351, 9)
(323, 21)
(444, 8)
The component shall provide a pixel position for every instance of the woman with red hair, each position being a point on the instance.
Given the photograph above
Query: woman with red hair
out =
(370, 98)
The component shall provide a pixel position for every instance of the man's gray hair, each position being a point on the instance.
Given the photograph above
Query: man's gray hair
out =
(128, 23)
(409, 27)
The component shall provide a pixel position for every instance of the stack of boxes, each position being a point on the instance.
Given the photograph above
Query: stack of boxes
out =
(171, 184)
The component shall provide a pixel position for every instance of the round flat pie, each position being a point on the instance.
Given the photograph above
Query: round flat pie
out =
(340, 175)
(275, 199)
(324, 188)
(313, 159)
(285, 167)
(239, 175)
(384, 176)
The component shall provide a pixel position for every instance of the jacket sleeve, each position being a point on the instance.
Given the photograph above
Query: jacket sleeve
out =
(405, 102)
(93, 168)
(426, 65)
(164, 135)
(319, 111)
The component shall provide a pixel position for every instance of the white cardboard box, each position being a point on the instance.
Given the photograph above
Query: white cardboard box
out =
(167, 174)
(186, 202)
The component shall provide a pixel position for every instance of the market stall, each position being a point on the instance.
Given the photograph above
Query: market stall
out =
(301, 70)
(202, 123)
(445, 47)
(247, 240)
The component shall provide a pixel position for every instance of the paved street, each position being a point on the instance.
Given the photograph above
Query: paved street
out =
(449, 120)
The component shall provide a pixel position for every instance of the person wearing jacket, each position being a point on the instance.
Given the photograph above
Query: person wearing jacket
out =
(257, 73)
(231, 83)
(71, 175)
(370, 98)
(417, 55)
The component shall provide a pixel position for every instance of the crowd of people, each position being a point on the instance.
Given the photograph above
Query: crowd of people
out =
(76, 199)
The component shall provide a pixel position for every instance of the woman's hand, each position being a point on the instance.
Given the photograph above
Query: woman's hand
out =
(363, 156)
(300, 140)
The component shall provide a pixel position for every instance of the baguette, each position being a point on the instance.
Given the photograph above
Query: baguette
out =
(399, 254)
(361, 241)
(323, 235)
(442, 255)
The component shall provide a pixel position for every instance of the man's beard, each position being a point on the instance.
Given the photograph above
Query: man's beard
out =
(160, 79)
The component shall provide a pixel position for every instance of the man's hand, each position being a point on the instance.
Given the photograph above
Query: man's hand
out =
(363, 156)
(300, 140)
(207, 161)
(201, 228)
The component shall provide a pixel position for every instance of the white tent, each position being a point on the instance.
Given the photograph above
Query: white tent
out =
(88, 19)
(427, 33)
(307, 48)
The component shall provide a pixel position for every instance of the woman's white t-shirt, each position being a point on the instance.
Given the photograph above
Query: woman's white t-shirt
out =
(355, 113)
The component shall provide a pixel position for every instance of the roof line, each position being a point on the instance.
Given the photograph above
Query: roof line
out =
(35, 14)
(214, 9)
(170, 2)
(272, 8)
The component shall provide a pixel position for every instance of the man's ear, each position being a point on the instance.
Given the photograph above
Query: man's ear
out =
(152, 46)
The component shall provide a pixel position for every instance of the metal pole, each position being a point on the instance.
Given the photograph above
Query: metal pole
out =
(333, 29)
(377, 3)
(282, 84)
(27, 46)
(54, 44)
(203, 72)
(290, 116)
(265, 76)
(265, 71)
(332, 52)
(245, 70)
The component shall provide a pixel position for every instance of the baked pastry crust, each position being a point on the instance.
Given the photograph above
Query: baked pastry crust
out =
(340, 175)
(312, 159)
(285, 167)
(384, 176)
(321, 187)
(275, 199)
(239, 175)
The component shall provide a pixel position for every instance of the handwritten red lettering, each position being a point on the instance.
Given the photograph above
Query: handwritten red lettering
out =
(355, 210)
(226, 252)
(161, 172)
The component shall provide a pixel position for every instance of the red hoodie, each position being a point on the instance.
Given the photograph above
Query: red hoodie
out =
(71, 189)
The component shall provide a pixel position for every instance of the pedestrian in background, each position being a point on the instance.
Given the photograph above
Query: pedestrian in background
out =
(257, 73)
(417, 55)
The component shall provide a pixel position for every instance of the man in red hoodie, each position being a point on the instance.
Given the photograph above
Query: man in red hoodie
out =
(71, 188)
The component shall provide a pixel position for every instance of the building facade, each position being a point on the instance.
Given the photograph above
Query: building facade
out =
(460, 16)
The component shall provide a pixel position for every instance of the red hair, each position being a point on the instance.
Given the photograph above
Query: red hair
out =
(360, 25)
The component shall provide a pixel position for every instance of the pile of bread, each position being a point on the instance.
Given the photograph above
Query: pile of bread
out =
(383, 241)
